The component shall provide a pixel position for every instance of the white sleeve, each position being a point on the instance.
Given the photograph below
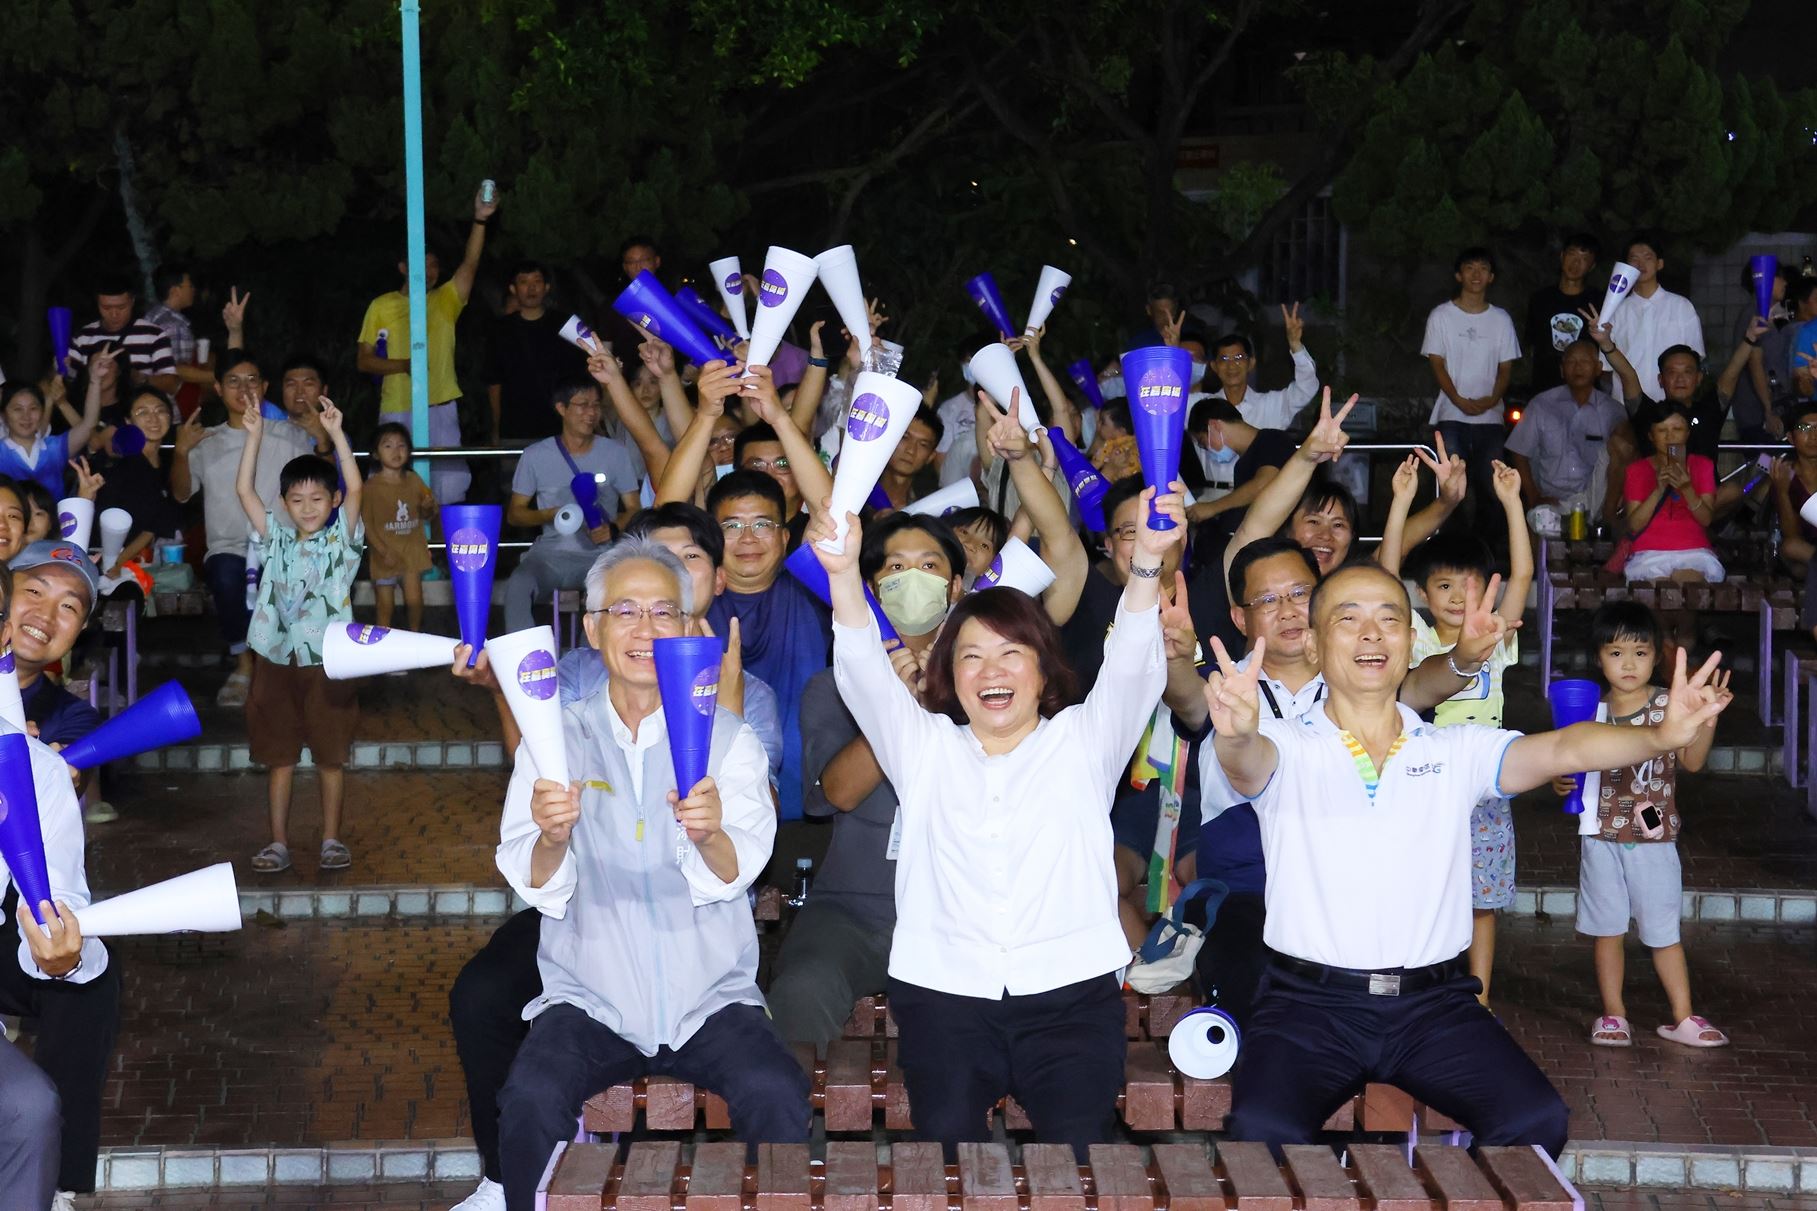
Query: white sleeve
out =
(1305, 381)
(1216, 795)
(1434, 342)
(1129, 684)
(1484, 748)
(60, 818)
(748, 817)
(1693, 326)
(903, 735)
(517, 837)
(1282, 733)
(1509, 348)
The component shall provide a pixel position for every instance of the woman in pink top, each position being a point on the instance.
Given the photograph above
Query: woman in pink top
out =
(1670, 497)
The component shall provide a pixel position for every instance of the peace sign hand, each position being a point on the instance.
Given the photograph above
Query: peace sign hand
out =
(1231, 694)
(1484, 628)
(1328, 439)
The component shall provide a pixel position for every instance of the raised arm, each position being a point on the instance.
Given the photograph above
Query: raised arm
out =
(102, 368)
(1061, 549)
(812, 388)
(1618, 361)
(249, 465)
(1520, 543)
(1453, 481)
(1305, 383)
(660, 358)
(603, 366)
(759, 390)
(1405, 484)
(1232, 700)
(349, 466)
(680, 475)
(1747, 356)
(476, 244)
(1059, 404)
(1275, 503)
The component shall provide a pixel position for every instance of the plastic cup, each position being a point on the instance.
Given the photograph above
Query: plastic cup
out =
(21, 833)
(576, 333)
(687, 677)
(1049, 290)
(983, 291)
(1621, 282)
(524, 663)
(1203, 1043)
(116, 527)
(961, 494)
(1573, 701)
(202, 901)
(76, 520)
(728, 278)
(1157, 378)
(648, 306)
(837, 269)
(1016, 567)
(1086, 380)
(202, 350)
(780, 292)
(1763, 269)
(995, 368)
(61, 323)
(880, 413)
(1088, 487)
(472, 537)
(12, 706)
(804, 567)
(161, 718)
(353, 649)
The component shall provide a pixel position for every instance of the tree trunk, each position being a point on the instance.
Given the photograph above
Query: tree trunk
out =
(142, 246)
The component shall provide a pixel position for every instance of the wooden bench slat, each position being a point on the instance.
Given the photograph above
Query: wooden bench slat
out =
(1322, 1182)
(1015, 1118)
(1460, 1183)
(987, 1181)
(1148, 1103)
(1053, 1178)
(1204, 1105)
(1121, 1178)
(896, 1116)
(716, 1178)
(1186, 1173)
(649, 1176)
(851, 1176)
(848, 1085)
(580, 1178)
(714, 1109)
(1386, 1177)
(1526, 1179)
(1254, 1177)
(1386, 1108)
(917, 1178)
(1165, 1009)
(668, 1104)
(783, 1181)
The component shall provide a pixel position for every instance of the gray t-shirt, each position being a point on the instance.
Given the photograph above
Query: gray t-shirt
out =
(214, 465)
(1562, 440)
(546, 477)
(858, 876)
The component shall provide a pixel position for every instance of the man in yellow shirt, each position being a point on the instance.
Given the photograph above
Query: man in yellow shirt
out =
(388, 317)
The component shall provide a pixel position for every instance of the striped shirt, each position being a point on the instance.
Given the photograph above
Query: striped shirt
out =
(145, 344)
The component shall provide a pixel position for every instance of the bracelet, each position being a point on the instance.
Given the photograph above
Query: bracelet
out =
(1751, 343)
(819, 361)
(485, 222)
(1144, 573)
(1451, 659)
(66, 975)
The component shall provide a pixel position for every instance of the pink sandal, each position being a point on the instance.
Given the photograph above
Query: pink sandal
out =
(1694, 1032)
(1611, 1031)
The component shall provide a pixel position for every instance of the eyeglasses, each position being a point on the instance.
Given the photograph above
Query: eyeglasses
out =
(1232, 357)
(1124, 533)
(767, 464)
(1804, 426)
(241, 380)
(762, 527)
(662, 614)
(724, 439)
(1268, 603)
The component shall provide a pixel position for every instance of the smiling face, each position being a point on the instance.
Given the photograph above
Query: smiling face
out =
(1445, 591)
(754, 551)
(1231, 364)
(1475, 276)
(309, 505)
(580, 415)
(998, 682)
(1363, 633)
(12, 524)
(242, 387)
(24, 416)
(50, 605)
(1283, 622)
(151, 416)
(628, 646)
(1324, 530)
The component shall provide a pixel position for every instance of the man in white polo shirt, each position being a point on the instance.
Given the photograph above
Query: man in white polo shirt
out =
(1364, 812)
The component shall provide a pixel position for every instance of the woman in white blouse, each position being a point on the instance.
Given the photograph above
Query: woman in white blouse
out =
(1003, 964)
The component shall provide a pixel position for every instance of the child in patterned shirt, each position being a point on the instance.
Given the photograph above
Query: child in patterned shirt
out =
(1629, 832)
(306, 587)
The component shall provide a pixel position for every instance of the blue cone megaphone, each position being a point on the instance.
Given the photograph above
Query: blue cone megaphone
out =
(472, 535)
(163, 717)
(648, 306)
(21, 833)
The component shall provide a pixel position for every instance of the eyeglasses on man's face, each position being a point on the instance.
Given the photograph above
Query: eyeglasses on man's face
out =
(762, 527)
(1268, 603)
(663, 615)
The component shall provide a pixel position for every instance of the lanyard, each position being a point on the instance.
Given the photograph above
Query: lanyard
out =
(569, 458)
(1318, 696)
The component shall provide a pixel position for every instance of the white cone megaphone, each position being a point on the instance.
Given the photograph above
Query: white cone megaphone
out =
(76, 520)
(353, 649)
(1809, 511)
(1621, 284)
(568, 520)
(780, 292)
(583, 338)
(1048, 292)
(962, 494)
(994, 366)
(524, 664)
(116, 525)
(728, 279)
(881, 410)
(202, 901)
(1203, 1044)
(838, 270)
(1016, 567)
(12, 705)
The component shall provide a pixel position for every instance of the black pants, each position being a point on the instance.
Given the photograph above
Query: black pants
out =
(568, 1057)
(1233, 957)
(1059, 1053)
(76, 1028)
(1311, 1047)
(486, 1009)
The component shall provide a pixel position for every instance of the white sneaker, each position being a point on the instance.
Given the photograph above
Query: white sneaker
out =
(101, 812)
(64, 1201)
(487, 1196)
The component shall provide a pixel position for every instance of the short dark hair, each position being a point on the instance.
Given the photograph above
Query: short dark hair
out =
(1125, 489)
(1650, 240)
(1117, 412)
(236, 357)
(1662, 411)
(392, 428)
(739, 484)
(1453, 551)
(994, 524)
(1798, 289)
(168, 278)
(526, 265)
(302, 361)
(1216, 408)
(37, 496)
(1158, 290)
(751, 435)
(638, 241)
(1233, 338)
(1676, 350)
(931, 419)
(1318, 592)
(1615, 620)
(1319, 495)
(1017, 617)
(682, 515)
(1585, 241)
(878, 534)
(567, 389)
(18, 387)
(114, 284)
(308, 469)
(1254, 553)
(1798, 411)
(1471, 255)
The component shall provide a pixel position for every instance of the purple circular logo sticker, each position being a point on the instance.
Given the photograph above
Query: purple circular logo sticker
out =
(705, 692)
(772, 289)
(536, 675)
(1058, 294)
(468, 549)
(1618, 283)
(67, 523)
(734, 284)
(1160, 393)
(870, 417)
(361, 633)
(1086, 482)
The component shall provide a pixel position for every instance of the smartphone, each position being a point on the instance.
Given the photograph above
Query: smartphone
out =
(1676, 452)
(1650, 818)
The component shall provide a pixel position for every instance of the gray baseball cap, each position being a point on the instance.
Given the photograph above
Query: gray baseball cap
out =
(61, 553)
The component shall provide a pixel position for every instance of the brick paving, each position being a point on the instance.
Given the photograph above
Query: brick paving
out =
(404, 1196)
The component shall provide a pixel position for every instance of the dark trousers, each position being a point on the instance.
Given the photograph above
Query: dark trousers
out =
(486, 1009)
(1231, 961)
(1311, 1047)
(226, 577)
(76, 1028)
(1478, 446)
(1059, 1053)
(568, 1057)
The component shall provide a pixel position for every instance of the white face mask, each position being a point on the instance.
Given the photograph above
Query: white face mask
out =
(913, 600)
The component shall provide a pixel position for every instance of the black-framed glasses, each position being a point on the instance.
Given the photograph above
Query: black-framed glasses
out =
(766, 465)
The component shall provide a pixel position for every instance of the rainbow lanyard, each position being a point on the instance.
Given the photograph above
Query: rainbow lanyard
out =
(1365, 767)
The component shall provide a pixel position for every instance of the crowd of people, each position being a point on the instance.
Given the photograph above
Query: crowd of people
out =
(1015, 785)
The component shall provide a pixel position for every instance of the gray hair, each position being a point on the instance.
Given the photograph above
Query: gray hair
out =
(629, 549)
